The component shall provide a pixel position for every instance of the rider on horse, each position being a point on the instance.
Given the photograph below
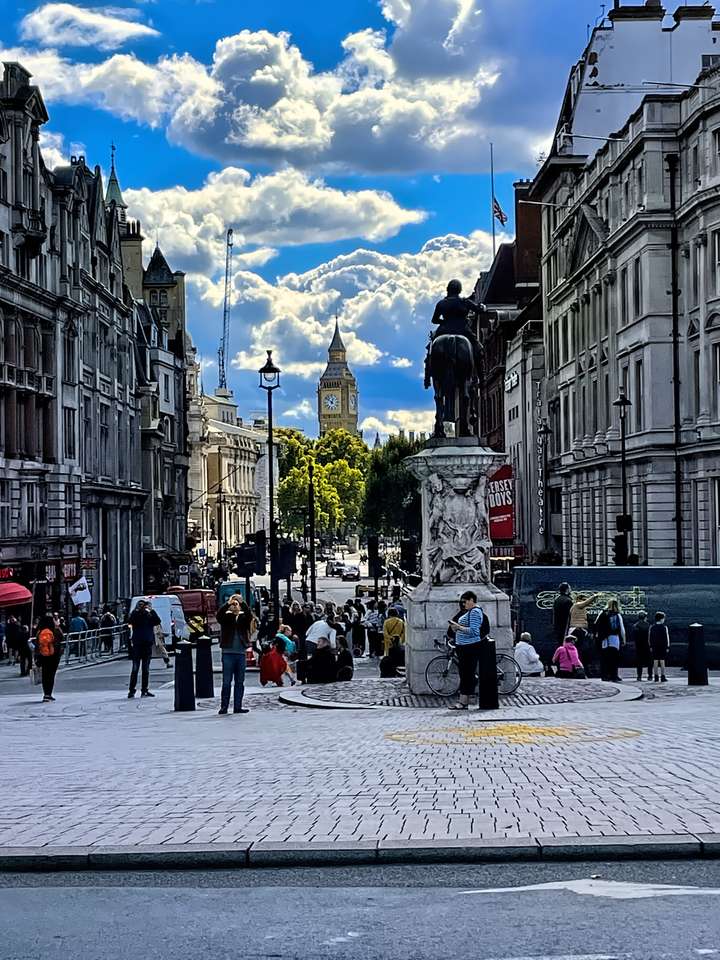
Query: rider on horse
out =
(451, 315)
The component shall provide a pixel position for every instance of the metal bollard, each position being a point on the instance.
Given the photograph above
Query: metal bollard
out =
(487, 673)
(204, 686)
(697, 662)
(184, 688)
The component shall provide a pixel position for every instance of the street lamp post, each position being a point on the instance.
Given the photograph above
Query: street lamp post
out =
(625, 523)
(270, 381)
(311, 523)
(544, 433)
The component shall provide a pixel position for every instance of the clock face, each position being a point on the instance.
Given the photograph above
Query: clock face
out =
(353, 401)
(331, 402)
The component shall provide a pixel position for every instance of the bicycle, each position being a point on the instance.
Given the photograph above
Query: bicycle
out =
(442, 674)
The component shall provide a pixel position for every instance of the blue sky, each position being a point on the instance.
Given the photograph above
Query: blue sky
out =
(346, 143)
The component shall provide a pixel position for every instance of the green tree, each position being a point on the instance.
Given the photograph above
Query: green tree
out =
(294, 448)
(349, 483)
(338, 445)
(293, 500)
(392, 494)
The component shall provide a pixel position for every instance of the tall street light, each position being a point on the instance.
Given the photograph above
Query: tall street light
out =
(270, 381)
(544, 433)
(624, 523)
(311, 532)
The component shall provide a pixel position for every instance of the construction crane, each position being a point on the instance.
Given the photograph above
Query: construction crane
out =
(225, 339)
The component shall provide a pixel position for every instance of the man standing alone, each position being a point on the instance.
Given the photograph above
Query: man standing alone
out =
(142, 621)
(235, 621)
(561, 612)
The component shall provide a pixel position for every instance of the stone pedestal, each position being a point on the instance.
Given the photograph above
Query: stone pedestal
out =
(455, 550)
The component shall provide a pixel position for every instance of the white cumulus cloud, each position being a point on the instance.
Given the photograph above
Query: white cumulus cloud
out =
(424, 94)
(55, 152)
(285, 208)
(417, 421)
(64, 24)
(301, 411)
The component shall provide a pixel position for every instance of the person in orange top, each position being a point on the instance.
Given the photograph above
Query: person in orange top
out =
(393, 628)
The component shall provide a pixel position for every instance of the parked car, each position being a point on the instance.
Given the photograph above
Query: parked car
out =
(351, 572)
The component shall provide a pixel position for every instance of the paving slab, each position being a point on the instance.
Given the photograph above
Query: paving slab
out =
(290, 853)
(447, 851)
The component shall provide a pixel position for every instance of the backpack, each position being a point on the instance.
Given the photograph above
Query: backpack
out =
(46, 642)
(614, 621)
(485, 626)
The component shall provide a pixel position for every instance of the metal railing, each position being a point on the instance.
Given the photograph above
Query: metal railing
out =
(87, 645)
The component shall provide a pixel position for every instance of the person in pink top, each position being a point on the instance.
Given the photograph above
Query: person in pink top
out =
(568, 660)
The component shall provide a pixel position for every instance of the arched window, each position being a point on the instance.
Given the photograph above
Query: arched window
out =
(163, 298)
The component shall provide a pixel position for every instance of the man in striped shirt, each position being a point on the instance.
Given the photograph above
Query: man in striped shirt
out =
(467, 639)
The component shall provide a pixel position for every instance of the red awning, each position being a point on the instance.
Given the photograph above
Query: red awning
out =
(13, 595)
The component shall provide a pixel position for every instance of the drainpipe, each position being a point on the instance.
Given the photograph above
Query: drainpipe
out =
(672, 160)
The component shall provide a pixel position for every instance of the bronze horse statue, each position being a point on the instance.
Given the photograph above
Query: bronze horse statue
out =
(453, 365)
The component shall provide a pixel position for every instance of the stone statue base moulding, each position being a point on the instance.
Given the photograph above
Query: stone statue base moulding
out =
(455, 550)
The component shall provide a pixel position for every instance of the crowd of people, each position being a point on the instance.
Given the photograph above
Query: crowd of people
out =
(314, 643)
(584, 649)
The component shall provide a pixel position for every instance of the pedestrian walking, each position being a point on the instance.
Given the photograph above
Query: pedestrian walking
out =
(143, 622)
(48, 650)
(393, 629)
(640, 636)
(567, 658)
(610, 630)
(527, 657)
(660, 645)
(107, 622)
(24, 650)
(468, 635)
(235, 621)
(373, 627)
(12, 638)
(561, 612)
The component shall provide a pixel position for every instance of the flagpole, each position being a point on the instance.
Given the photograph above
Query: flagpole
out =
(492, 191)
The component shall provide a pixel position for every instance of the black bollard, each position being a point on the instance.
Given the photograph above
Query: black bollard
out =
(184, 688)
(487, 672)
(697, 663)
(204, 668)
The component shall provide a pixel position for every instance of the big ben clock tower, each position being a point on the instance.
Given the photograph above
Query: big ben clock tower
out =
(337, 391)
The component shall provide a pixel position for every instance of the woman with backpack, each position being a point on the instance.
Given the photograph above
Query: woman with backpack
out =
(610, 631)
(48, 650)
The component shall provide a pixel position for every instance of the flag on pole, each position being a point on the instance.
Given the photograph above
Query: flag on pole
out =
(80, 592)
(499, 213)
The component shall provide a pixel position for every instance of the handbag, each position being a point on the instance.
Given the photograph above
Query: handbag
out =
(579, 673)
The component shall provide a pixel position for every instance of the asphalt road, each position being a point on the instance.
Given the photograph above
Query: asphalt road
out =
(404, 913)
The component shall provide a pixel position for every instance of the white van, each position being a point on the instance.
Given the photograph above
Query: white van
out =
(169, 609)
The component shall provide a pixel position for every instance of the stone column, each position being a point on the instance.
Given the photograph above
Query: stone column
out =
(455, 550)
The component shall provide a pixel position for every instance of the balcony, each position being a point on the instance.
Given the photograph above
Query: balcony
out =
(46, 385)
(30, 226)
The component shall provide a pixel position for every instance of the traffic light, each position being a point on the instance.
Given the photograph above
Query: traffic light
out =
(620, 550)
(287, 553)
(373, 552)
(258, 541)
(245, 559)
(408, 555)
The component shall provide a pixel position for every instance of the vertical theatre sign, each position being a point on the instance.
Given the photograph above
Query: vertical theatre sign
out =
(540, 442)
(501, 504)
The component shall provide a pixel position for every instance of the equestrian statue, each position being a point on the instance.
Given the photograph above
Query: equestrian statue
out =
(452, 365)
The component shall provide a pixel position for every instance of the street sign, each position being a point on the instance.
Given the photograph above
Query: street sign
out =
(184, 580)
(183, 568)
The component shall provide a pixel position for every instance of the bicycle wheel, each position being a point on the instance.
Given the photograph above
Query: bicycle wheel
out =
(442, 676)
(509, 674)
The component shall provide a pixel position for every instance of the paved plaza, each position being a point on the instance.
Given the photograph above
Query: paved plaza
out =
(109, 771)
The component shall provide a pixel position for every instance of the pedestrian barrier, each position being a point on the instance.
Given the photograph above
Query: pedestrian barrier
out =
(87, 645)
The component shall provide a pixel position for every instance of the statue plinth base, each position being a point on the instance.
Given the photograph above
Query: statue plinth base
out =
(455, 551)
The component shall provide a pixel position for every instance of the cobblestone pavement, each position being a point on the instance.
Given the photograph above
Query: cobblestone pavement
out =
(396, 693)
(112, 771)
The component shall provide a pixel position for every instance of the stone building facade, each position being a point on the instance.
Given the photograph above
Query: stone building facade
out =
(70, 495)
(337, 391)
(228, 492)
(608, 269)
(161, 331)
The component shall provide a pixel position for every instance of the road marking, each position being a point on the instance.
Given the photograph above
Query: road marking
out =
(611, 889)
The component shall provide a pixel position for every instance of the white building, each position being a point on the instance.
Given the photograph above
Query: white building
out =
(608, 310)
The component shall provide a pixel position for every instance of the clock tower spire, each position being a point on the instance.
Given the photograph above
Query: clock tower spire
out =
(337, 390)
